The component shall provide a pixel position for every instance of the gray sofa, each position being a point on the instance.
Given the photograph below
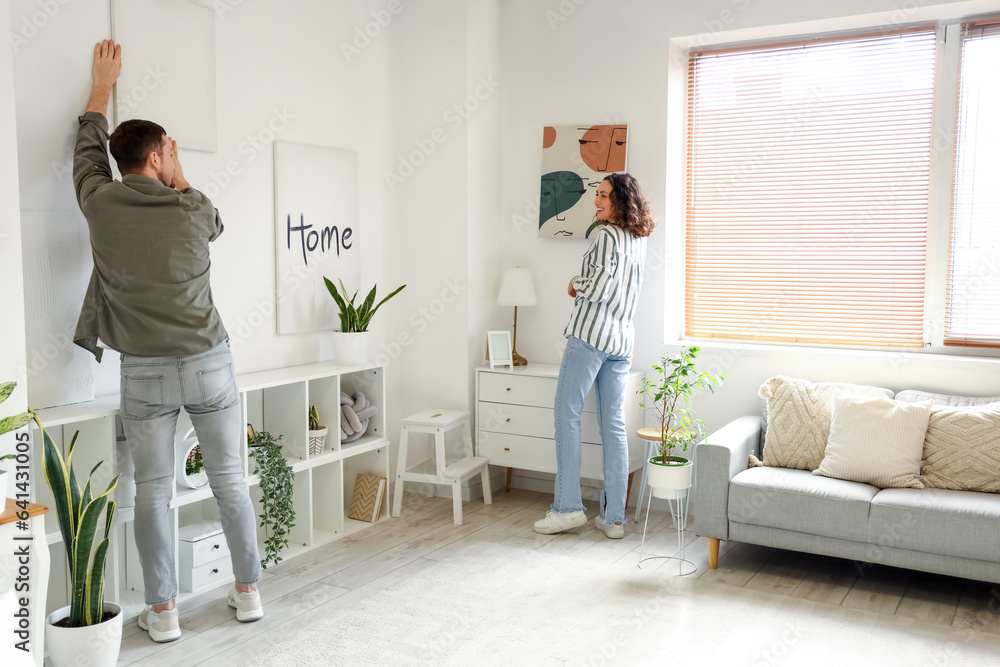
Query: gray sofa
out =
(935, 530)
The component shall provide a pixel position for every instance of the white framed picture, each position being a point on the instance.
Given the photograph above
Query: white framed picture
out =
(499, 349)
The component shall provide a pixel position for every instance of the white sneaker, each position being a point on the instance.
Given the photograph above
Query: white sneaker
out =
(247, 605)
(162, 627)
(557, 522)
(615, 531)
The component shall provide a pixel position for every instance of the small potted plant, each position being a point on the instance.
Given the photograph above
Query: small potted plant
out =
(277, 515)
(350, 344)
(89, 628)
(317, 433)
(190, 468)
(668, 395)
(8, 424)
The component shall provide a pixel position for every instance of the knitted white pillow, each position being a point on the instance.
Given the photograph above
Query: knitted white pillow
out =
(876, 441)
(962, 448)
(798, 419)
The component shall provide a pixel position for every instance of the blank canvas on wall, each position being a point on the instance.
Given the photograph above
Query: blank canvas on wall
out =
(575, 159)
(168, 68)
(316, 233)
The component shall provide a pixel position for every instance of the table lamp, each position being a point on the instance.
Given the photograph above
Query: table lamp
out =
(517, 289)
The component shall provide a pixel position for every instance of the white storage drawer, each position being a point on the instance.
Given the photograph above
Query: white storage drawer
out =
(524, 390)
(211, 573)
(535, 422)
(201, 543)
(539, 454)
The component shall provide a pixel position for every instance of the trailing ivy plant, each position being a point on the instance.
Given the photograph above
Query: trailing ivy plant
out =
(277, 515)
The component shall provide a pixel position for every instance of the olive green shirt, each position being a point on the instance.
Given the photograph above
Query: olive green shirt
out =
(149, 293)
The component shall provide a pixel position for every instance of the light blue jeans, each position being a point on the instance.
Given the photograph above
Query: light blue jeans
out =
(153, 391)
(583, 367)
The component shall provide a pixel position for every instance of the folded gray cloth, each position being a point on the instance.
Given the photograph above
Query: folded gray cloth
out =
(355, 412)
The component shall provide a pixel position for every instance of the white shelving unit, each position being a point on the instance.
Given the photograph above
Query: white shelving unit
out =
(276, 401)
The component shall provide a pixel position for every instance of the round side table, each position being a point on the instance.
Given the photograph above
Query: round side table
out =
(678, 508)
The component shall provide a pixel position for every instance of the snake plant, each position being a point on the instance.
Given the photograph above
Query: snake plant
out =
(353, 319)
(79, 513)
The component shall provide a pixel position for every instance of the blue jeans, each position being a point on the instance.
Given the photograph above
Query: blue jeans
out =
(582, 367)
(153, 391)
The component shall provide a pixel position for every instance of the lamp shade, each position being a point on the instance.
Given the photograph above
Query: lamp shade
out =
(517, 288)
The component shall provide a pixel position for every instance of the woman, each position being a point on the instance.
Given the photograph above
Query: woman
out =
(599, 350)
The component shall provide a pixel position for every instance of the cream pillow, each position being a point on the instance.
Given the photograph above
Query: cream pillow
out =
(798, 419)
(962, 448)
(876, 441)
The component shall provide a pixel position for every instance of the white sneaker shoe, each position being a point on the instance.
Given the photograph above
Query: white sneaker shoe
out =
(162, 627)
(557, 522)
(615, 531)
(247, 605)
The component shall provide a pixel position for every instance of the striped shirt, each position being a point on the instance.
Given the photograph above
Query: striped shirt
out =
(607, 291)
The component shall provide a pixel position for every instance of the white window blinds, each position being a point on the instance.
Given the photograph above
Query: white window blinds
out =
(807, 190)
(973, 296)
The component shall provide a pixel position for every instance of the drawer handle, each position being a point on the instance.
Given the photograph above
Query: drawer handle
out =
(215, 546)
(508, 419)
(508, 388)
(506, 449)
(215, 571)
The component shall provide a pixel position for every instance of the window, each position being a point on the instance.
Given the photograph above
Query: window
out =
(973, 295)
(809, 171)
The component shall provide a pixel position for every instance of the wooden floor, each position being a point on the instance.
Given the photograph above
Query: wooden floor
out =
(336, 576)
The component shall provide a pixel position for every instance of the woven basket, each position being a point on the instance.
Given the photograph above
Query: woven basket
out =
(317, 439)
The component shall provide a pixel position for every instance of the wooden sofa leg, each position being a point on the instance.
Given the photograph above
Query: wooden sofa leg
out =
(713, 553)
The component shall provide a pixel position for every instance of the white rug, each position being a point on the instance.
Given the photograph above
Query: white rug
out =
(500, 606)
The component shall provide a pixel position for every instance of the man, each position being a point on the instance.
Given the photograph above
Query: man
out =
(150, 299)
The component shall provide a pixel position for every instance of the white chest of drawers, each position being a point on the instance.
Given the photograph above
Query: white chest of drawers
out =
(516, 425)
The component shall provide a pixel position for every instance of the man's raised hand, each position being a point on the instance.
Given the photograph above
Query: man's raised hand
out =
(107, 66)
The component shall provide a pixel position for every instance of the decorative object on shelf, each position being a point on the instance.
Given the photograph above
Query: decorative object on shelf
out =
(366, 500)
(80, 512)
(317, 230)
(355, 411)
(350, 344)
(190, 471)
(317, 433)
(517, 289)
(676, 379)
(574, 162)
(8, 424)
(499, 351)
(277, 515)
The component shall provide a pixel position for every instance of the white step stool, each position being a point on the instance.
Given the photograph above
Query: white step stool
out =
(438, 423)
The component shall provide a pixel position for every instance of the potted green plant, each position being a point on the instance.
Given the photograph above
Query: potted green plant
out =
(317, 433)
(189, 471)
(350, 344)
(8, 424)
(668, 394)
(89, 627)
(277, 515)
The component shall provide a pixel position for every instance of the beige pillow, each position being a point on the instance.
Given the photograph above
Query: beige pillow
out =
(876, 441)
(962, 448)
(798, 419)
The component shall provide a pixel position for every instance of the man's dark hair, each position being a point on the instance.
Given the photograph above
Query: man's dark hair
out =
(132, 141)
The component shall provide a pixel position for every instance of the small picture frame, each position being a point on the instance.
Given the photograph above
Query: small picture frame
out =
(499, 349)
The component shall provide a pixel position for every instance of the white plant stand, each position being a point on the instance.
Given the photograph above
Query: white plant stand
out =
(679, 514)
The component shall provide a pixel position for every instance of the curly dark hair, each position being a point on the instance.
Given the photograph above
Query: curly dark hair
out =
(633, 212)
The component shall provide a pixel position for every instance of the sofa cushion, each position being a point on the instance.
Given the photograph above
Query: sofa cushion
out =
(962, 448)
(876, 441)
(916, 395)
(798, 500)
(798, 419)
(939, 521)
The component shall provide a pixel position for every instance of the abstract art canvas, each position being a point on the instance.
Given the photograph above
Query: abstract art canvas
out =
(316, 233)
(574, 161)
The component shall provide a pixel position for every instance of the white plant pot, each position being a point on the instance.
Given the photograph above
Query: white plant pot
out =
(184, 445)
(351, 348)
(94, 645)
(670, 482)
(317, 440)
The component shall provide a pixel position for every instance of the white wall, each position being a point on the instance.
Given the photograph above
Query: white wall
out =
(11, 284)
